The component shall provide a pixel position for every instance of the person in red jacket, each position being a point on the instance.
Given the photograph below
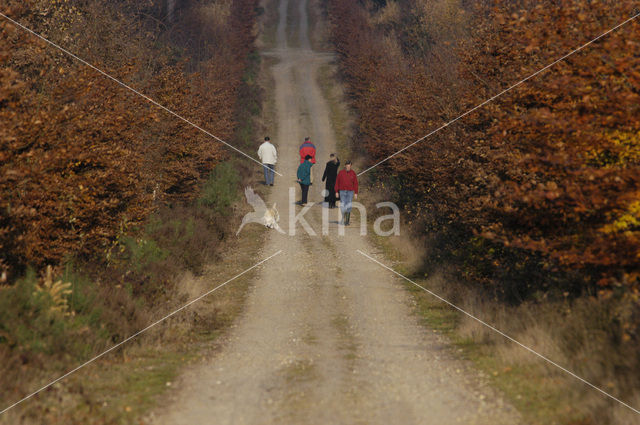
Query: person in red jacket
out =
(346, 190)
(307, 148)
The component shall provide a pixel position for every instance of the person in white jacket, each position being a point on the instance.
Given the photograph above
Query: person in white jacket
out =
(268, 156)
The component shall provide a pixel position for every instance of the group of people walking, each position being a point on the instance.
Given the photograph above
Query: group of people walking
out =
(342, 185)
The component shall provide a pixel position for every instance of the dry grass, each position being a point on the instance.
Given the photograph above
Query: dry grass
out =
(267, 24)
(388, 15)
(216, 14)
(181, 257)
(126, 383)
(576, 334)
(341, 119)
(318, 28)
(573, 334)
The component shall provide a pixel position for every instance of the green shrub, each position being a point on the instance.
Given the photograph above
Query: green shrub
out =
(25, 322)
(144, 252)
(83, 300)
(31, 323)
(188, 236)
(221, 189)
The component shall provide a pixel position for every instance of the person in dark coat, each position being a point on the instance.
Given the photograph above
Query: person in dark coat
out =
(329, 177)
(304, 178)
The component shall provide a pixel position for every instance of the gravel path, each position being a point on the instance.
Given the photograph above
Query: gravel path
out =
(327, 336)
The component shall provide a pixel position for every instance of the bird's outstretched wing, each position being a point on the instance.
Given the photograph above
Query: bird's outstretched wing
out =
(254, 200)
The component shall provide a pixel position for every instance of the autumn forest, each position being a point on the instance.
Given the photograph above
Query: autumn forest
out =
(508, 132)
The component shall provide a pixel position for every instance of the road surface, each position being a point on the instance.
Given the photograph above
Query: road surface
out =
(327, 337)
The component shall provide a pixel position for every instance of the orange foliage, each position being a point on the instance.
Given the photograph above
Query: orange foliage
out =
(81, 156)
(550, 170)
(564, 146)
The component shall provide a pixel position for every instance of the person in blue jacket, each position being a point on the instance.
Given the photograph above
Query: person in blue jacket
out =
(304, 178)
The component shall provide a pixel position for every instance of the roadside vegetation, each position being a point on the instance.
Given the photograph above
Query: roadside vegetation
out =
(525, 210)
(111, 210)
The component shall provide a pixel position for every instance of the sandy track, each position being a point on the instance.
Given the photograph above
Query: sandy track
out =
(327, 336)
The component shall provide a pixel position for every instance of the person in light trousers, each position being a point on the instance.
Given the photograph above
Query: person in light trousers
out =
(268, 156)
(346, 189)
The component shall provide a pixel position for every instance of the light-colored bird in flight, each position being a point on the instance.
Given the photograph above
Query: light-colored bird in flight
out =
(268, 217)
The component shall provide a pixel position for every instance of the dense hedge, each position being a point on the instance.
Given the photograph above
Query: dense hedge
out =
(537, 190)
(81, 157)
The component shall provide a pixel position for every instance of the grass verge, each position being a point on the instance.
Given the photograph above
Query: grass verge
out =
(339, 116)
(575, 334)
(183, 251)
(568, 334)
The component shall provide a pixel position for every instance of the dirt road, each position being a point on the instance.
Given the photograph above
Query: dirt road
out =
(327, 336)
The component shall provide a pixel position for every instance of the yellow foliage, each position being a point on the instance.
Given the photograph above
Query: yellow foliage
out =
(627, 221)
(58, 291)
(623, 148)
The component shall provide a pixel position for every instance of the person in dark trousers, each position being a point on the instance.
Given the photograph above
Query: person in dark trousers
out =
(346, 189)
(307, 148)
(329, 177)
(304, 178)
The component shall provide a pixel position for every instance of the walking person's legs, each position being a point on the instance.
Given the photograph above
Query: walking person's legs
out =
(331, 197)
(343, 203)
(265, 168)
(305, 192)
(301, 191)
(348, 206)
(270, 173)
(346, 197)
